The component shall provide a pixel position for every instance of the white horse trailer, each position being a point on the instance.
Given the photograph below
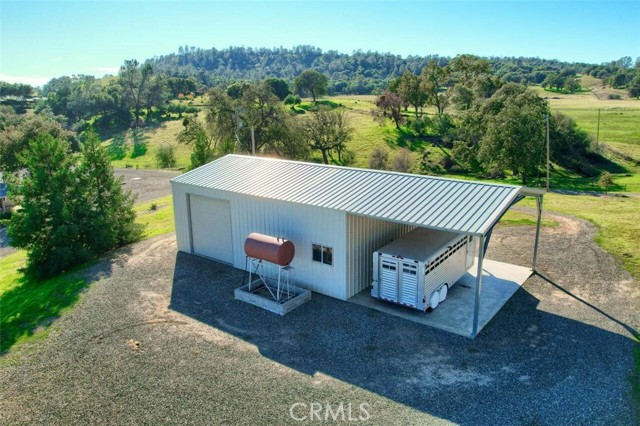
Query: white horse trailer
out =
(417, 269)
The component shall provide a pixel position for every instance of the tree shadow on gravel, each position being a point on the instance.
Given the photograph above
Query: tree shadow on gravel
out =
(523, 359)
(30, 307)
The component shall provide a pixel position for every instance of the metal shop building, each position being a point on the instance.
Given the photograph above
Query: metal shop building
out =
(337, 217)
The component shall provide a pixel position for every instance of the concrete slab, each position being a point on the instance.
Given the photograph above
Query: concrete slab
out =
(262, 298)
(500, 281)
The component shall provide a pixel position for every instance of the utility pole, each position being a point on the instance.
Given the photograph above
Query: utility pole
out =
(598, 131)
(548, 162)
(253, 141)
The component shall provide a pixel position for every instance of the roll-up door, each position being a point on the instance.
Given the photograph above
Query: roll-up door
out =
(211, 228)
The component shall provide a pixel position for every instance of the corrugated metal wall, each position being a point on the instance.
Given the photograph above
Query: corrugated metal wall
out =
(302, 224)
(364, 236)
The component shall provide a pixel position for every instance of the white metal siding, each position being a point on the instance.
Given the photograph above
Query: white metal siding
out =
(301, 224)
(364, 236)
(211, 228)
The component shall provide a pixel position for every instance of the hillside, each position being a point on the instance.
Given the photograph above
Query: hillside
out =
(619, 138)
(356, 73)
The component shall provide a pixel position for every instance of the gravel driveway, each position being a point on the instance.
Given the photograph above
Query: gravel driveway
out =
(147, 184)
(158, 339)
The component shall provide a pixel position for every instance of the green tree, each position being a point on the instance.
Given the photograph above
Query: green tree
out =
(230, 121)
(292, 100)
(619, 80)
(203, 145)
(109, 218)
(156, 92)
(515, 136)
(278, 86)
(311, 81)
(17, 131)
(432, 80)
(410, 90)
(554, 80)
(633, 88)
(134, 77)
(327, 131)
(568, 143)
(47, 225)
(572, 84)
(15, 89)
(465, 69)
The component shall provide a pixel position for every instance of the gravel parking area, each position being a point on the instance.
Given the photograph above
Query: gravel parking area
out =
(158, 339)
(147, 184)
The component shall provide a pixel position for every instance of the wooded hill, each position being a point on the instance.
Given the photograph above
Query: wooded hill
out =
(356, 73)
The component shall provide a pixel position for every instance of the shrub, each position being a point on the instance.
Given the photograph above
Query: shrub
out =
(605, 181)
(615, 96)
(402, 161)
(166, 156)
(379, 158)
(447, 162)
(139, 149)
(292, 100)
(348, 157)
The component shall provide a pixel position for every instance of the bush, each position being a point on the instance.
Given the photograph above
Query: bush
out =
(615, 96)
(348, 157)
(379, 158)
(139, 149)
(292, 100)
(402, 161)
(447, 162)
(166, 156)
(605, 181)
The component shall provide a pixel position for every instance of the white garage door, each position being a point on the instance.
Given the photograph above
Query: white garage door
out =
(211, 228)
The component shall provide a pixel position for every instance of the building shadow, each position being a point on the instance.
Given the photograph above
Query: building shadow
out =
(522, 361)
(32, 306)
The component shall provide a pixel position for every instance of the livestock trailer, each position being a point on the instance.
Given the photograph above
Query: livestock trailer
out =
(417, 269)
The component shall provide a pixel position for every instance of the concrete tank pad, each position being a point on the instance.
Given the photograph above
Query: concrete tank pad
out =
(500, 281)
(258, 295)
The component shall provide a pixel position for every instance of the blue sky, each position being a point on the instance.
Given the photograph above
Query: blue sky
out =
(44, 39)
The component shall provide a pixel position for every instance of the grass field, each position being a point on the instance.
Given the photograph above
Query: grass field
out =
(122, 146)
(30, 308)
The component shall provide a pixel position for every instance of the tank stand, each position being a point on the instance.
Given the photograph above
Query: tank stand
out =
(284, 284)
(279, 294)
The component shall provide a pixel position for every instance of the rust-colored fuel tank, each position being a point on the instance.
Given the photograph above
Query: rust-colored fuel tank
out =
(272, 249)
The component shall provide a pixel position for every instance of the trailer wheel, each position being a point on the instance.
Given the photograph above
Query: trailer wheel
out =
(443, 292)
(434, 299)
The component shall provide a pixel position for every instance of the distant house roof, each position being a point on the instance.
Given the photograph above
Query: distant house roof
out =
(3, 190)
(428, 201)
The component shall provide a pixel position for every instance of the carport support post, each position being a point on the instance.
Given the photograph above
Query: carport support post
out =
(535, 247)
(476, 303)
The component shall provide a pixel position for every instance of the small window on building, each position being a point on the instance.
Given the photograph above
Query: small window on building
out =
(327, 255)
(317, 253)
(323, 254)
